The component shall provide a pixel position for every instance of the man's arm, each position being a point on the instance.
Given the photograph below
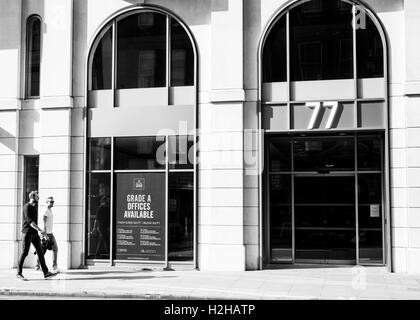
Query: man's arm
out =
(35, 226)
(45, 218)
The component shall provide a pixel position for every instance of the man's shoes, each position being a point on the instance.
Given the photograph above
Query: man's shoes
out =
(19, 276)
(49, 275)
(55, 270)
(37, 268)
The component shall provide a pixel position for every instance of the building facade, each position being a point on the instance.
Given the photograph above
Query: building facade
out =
(218, 135)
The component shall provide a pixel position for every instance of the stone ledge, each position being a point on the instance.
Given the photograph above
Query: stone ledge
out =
(10, 104)
(56, 102)
(412, 88)
(232, 95)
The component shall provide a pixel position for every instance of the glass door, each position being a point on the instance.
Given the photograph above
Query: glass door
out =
(325, 198)
(325, 223)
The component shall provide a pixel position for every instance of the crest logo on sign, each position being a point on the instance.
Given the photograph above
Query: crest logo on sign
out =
(138, 184)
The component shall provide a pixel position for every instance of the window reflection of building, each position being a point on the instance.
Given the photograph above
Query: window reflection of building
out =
(141, 57)
(180, 216)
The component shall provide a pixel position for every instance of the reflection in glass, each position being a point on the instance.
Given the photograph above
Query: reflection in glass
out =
(369, 153)
(98, 217)
(33, 56)
(100, 153)
(325, 218)
(321, 40)
(280, 217)
(102, 63)
(139, 153)
(280, 154)
(274, 55)
(370, 55)
(324, 154)
(141, 51)
(180, 218)
(182, 56)
(180, 151)
(371, 114)
(370, 218)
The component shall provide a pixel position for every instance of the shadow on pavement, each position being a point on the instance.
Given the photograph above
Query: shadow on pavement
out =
(77, 272)
(101, 278)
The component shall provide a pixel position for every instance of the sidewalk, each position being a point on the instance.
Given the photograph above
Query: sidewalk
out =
(290, 283)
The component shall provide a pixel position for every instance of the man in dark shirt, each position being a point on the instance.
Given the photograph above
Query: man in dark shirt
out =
(30, 231)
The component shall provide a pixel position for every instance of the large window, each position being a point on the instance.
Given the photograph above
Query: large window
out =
(321, 41)
(134, 193)
(324, 112)
(33, 56)
(140, 200)
(323, 68)
(142, 56)
(325, 196)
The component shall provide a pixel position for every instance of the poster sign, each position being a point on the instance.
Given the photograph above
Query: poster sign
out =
(140, 216)
(374, 211)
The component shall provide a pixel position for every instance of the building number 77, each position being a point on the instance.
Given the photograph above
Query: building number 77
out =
(316, 106)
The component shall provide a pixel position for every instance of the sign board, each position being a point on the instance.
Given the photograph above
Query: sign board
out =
(375, 211)
(140, 216)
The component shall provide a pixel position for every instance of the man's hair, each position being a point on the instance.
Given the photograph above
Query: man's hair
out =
(32, 194)
(50, 198)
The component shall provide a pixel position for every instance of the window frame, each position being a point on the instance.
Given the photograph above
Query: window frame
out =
(28, 55)
(113, 25)
(286, 98)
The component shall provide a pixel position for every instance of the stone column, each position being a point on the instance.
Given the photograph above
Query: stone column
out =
(56, 104)
(412, 100)
(221, 211)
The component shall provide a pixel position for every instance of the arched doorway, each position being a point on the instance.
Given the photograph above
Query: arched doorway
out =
(141, 121)
(324, 114)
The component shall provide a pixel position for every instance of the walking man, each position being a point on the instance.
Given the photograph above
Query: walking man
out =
(47, 219)
(30, 235)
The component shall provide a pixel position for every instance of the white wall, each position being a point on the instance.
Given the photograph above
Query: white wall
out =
(412, 110)
(10, 55)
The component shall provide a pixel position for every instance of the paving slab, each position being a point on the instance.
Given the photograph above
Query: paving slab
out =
(279, 284)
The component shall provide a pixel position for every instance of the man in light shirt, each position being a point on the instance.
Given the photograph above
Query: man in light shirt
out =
(48, 220)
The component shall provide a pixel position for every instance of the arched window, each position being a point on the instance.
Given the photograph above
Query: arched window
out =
(323, 50)
(142, 56)
(321, 41)
(141, 115)
(324, 109)
(33, 56)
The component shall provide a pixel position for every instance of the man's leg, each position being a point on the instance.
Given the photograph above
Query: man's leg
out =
(44, 250)
(55, 250)
(36, 241)
(26, 243)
